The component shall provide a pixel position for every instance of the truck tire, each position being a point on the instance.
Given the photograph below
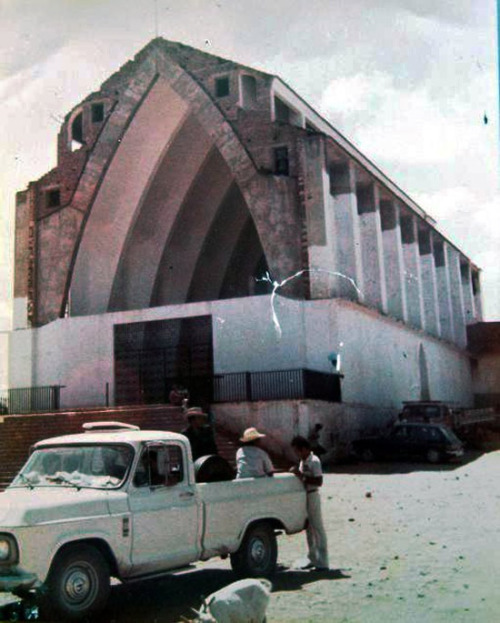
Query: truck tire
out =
(78, 584)
(257, 554)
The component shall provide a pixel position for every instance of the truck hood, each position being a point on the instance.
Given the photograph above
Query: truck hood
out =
(29, 507)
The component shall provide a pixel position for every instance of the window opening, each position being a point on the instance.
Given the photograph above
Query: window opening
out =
(160, 466)
(53, 198)
(281, 162)
(281, 111)
(248, 91)
(77, 129)
(97, 113)
(222, 86)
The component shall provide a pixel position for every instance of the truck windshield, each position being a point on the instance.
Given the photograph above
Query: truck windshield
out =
(103, 466)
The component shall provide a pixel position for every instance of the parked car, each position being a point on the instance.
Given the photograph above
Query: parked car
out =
(125, 503)
(432, 442)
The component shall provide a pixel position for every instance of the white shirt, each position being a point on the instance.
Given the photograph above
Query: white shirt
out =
(311, 467)
(253, 462)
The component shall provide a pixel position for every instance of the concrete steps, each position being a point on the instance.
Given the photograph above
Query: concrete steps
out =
(19, 432)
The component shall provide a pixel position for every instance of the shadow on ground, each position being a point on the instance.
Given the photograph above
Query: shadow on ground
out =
(402, 467)
(171, 597)
(168, 599)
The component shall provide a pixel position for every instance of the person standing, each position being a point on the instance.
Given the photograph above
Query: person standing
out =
(311, 474)
(199, 433)
(251, 460)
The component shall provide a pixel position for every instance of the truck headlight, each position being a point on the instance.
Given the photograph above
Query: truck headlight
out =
(8, 549)
(4, 549)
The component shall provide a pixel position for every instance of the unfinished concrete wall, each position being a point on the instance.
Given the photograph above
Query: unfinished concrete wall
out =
(380, 358)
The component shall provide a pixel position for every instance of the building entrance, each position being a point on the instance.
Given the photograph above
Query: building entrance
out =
(150, 357)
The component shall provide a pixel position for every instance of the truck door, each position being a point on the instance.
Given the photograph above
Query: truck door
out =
(165, 510)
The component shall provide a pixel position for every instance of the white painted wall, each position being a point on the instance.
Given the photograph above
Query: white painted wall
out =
(4, 359)
(379, 355)
(20, 312)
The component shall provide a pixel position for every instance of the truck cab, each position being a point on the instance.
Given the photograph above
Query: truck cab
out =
(121, 502)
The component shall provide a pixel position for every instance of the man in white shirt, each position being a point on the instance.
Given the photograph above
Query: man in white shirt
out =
(251, 460)
(311, 474)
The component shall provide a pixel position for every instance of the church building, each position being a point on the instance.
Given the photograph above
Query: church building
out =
(205, 225)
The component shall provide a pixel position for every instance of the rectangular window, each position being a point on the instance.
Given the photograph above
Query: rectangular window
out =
(281, 111)
(222, 86)
(53, 198)
(281, 164)
(97, 113)
(160, 465)
(248, 91)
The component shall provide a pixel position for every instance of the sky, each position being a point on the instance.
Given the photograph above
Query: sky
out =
(412, 83)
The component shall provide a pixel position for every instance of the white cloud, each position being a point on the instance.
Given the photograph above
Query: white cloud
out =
(406, 125)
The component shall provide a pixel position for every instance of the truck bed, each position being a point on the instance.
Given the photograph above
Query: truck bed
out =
(230, 506)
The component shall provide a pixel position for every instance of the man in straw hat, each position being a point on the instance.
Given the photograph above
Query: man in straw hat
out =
(199, 433)
(251, 460)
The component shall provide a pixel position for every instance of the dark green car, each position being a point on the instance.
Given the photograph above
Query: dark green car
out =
(433, 442)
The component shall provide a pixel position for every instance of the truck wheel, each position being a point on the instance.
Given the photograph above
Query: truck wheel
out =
(257, 554)
(433, 456)
(78, 584)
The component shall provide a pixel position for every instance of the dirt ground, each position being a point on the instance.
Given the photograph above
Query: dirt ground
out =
(407, 542)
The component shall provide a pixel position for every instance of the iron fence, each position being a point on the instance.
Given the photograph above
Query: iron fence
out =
(277, 385)
(22, 400)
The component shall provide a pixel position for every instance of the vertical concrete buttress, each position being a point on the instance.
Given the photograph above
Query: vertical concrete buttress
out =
(476, 290)
(317, 215)
(457, 302)
(443, 290)
(412, 271)
(345, 224)
(429, 285)
(371, 246)
(393, 259)
(467, 294)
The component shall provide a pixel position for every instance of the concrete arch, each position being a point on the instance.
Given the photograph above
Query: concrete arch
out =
(141, 255)
(176, 125)
(119, 198)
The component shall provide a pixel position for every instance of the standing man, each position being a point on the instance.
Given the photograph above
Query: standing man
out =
(199, 433)
(311, 474)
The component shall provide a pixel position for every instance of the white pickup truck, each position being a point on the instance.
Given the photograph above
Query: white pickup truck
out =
(125, 503)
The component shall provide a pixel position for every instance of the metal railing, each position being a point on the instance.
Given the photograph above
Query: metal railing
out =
(277, 385)
(22, 400)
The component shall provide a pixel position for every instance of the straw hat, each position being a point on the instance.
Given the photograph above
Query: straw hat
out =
(195, 412)
(251, 434)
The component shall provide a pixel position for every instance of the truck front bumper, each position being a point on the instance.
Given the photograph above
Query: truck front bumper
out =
(14, 579)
